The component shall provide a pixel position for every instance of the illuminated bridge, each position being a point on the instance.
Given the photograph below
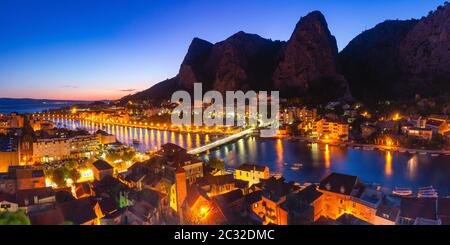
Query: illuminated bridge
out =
(230, 138)
(222, 141)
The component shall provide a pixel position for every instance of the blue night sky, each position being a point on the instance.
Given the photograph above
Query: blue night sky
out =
(105, 49)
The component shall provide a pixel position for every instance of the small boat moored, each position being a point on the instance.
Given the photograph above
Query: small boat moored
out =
(402, 191)
(427, 192)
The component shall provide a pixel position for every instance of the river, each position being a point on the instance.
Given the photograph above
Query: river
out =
(390, 169)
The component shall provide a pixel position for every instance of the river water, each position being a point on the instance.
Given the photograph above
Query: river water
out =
(390, 169)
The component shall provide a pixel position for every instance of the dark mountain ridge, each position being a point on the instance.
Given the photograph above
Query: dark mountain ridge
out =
(398, 59)
(394, 60)
(249, 62)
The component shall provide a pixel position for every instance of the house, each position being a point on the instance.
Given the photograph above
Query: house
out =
(83, 211)
(417, 210)
(49, 216)
(9, 152)
(330, 130)
(104, 138)
(172, 157)
(21, 178)
(112, 188)
(268, 209)
(345, 194)
(8, 183)
(437, 126)
(149, 208)
(349, 219)
(388, 211)
(199, 208)
(303, 207)
(33, 198)
(101, 169)
(107, 206)
(444, 210)
(421, 133)
(232, 205)
(83, 189)
(51, 149)
(251, 173)
(114, 218)
(218, 184)
(28, 177)
(8, 203)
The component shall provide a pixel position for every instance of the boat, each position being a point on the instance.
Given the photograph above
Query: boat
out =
(412, 152)
(402, 151)
(357, 148)
(136, 142)
(435, 155)
(285, 164)
(422, 153)
(297, 165)
(427, 192)
(428, 195)
(295, 168)
(402, 191)
(426, 188)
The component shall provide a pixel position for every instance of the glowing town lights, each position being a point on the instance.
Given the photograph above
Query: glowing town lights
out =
(396, 117)
(203, 212)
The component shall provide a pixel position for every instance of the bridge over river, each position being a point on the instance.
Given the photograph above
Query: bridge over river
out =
(222, 141)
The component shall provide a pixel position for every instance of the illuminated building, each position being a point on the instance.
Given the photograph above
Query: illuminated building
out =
(148, 208)
(438, 123)
(174, 156)
(9, 153)
(8, 203)
(216, 185)
(422, 133)
(200, 209)
(303, 207)
(47, 150)
(306, 117)
(12, 120)
(101, 169)
(251, 173)
(83, 145)
(41, 125)
(270, 207)
(345, 194)
(105, 138)
(21, 178)
(330, 130)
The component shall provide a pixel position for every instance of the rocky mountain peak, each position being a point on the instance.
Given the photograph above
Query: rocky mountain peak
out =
(310, 57)
(191, 70)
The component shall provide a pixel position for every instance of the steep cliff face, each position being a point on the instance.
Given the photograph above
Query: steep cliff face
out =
(311, 52)
(242, 62)
(393, 60)
(192, 67)
(304, 66)
(425, 54)
(370, 62)
(399, 59)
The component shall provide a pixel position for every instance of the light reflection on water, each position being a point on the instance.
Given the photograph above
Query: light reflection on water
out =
(149, 139)
(391, 169)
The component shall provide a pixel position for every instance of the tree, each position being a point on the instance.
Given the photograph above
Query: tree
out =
(216, 163)
(14, 218)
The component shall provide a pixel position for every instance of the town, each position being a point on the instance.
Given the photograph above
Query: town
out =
(50, 174)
